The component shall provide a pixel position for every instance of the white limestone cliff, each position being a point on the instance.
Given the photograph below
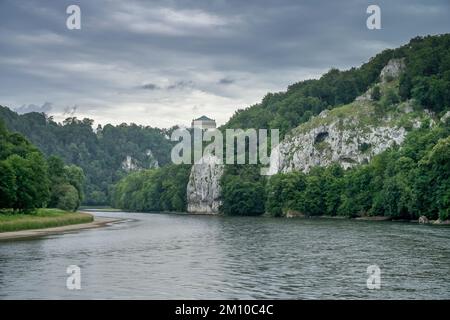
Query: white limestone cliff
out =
(203, 189)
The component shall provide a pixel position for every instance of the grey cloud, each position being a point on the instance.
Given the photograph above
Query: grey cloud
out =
(45, 108)
(149, 86)
(70, 111)
(226, 81)
(181, 85)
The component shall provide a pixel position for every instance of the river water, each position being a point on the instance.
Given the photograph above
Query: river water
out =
(171, 256)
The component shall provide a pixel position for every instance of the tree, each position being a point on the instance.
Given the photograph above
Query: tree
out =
(31, 181)
(242, 197)
(7, 185)
(435, 167)
(75, 177)
(67, 196)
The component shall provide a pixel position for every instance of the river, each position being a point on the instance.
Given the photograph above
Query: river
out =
(174, 256)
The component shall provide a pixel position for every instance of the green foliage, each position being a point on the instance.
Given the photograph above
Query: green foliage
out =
(284, 191)
(161, 189)
(242, 195)
(67, 197)
(24, 183)
(7, 185)
(389, 98)
(41, 218)
(66, 185)
(316, 193)
(31, 181)
(28, 181)
(427, 76)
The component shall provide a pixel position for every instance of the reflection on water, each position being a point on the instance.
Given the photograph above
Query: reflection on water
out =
(162, 256)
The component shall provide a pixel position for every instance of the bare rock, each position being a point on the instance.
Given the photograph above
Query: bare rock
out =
(203, 189)
(423, 220)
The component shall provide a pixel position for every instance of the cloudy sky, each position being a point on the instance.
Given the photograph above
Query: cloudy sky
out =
(163, 63)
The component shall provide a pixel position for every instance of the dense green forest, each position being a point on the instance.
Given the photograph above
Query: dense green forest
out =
(29, 181)
(100, 153)
(162, 189)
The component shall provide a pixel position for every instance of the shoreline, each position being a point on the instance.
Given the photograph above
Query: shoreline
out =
(294, 216)
(34, 233)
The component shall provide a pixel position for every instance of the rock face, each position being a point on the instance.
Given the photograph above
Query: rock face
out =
(203, 189)
(392, 70)
(423, 220)
(327, 144)
(132, 164)
(349, 136)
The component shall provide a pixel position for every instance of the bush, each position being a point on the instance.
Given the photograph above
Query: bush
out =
(68, 199)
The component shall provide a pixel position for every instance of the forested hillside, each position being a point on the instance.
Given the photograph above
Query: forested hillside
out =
(29, 181)
(425, 83)
(102, 153)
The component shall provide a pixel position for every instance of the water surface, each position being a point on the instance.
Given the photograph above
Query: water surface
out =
(167, 256)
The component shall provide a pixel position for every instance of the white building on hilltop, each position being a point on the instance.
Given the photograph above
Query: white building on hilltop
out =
(203, 123)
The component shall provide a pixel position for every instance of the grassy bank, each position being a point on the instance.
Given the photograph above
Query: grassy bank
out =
(42, 218)
(99, 208)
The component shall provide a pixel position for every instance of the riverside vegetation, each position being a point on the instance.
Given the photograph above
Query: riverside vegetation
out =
(29, 183)
(41, 218)
(405, 181)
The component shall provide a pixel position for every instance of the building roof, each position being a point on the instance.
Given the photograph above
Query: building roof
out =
(203, 118)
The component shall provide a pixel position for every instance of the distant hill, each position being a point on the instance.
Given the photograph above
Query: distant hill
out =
(106, 154)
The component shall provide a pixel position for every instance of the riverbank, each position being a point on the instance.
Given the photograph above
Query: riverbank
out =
(76, 221)
(42, 218)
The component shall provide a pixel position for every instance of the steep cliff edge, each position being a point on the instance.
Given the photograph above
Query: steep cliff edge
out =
(348, 135)
(203, 189)
(351, 134)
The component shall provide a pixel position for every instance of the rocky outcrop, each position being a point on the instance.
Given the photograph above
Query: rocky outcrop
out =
(132, 164)
(203, 189)
(392, 70)
(445, 117)
(129, 164)
(349, 136)
(423, 220)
